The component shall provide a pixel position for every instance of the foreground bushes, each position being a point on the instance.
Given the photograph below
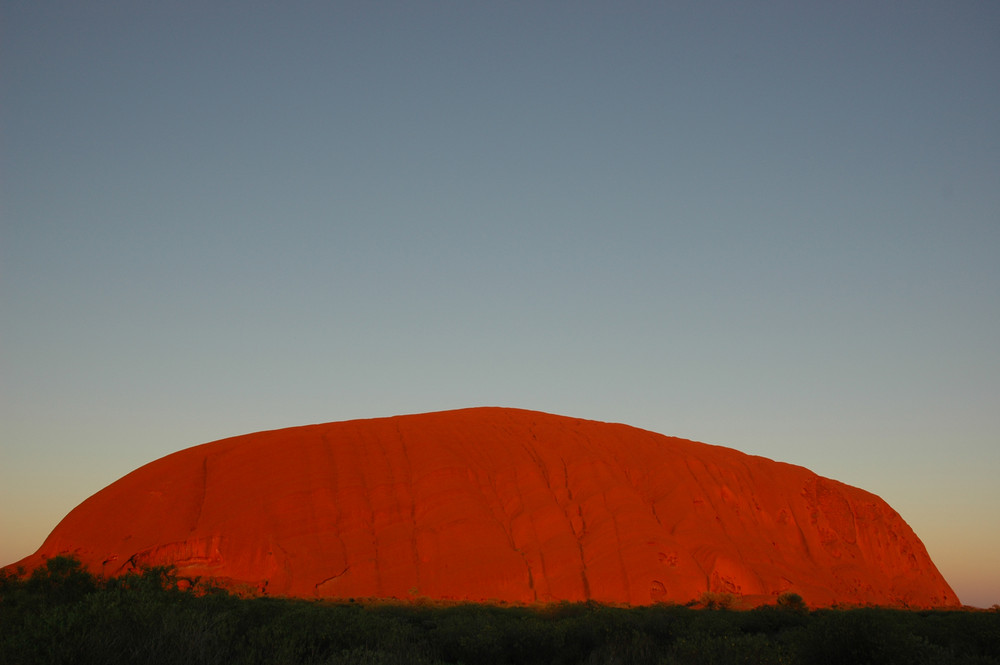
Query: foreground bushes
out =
(61, 614)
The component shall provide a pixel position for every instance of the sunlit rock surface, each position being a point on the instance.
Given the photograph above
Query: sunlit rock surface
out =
(495, 504)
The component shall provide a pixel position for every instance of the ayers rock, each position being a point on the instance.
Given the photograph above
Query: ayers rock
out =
(494, 504)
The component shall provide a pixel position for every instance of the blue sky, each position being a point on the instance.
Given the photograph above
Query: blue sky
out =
(773, 227)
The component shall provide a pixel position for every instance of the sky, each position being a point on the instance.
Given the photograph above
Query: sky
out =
(769, 226)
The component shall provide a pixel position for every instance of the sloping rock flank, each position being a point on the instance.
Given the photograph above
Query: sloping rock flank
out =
(496, 504)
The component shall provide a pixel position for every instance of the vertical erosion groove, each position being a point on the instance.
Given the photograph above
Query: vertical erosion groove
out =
(202, 486)
(412, 499)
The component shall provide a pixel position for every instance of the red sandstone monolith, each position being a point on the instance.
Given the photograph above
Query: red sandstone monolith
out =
(493, 504)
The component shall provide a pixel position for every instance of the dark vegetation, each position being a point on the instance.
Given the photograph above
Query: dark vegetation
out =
(62, 614)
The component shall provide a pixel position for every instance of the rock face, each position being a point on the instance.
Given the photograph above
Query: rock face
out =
(503, 505)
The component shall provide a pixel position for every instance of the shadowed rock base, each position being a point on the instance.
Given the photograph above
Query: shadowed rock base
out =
(493, 504)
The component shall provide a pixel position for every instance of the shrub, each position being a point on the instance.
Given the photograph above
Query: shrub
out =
(792, 601)
(711, 600)
(62, 579)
